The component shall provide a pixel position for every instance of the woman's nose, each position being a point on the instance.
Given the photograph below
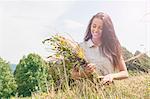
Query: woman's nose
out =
(96, 30)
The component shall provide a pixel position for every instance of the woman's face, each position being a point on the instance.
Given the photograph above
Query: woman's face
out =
(96, 28)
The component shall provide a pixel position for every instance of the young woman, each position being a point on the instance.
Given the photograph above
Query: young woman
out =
(102, 50)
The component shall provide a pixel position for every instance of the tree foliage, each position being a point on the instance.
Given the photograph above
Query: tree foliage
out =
(7, 81)
(31, 75)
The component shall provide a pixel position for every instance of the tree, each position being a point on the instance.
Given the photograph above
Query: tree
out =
(31, 75)
(7, 81)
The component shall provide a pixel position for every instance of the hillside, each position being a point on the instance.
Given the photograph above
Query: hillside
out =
(139, 64)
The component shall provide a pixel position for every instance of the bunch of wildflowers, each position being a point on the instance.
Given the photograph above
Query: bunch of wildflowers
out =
(65, 50)
(66, 53)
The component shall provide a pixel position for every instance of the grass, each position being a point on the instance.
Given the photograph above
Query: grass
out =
(135, 87)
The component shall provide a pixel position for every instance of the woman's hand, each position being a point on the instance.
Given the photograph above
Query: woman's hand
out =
(75, 73)
(89, 69)
(108, 79)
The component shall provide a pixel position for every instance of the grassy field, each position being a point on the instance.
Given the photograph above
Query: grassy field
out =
(135, 87)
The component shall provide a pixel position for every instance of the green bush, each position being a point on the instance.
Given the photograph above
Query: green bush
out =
(31, 75)
(7, 81)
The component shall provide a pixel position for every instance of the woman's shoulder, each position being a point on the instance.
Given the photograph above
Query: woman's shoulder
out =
(83, 44)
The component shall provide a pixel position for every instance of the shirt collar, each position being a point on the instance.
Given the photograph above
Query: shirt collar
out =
(90, 43)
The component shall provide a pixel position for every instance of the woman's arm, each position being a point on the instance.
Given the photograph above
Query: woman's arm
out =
(122, 74)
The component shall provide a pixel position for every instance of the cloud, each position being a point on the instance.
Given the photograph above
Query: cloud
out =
(71, 24)
(25, 24)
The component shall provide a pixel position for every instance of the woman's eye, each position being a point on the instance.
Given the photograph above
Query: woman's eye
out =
(94, 26)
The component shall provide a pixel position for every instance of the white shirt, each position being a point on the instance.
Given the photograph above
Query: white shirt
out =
(93, 54)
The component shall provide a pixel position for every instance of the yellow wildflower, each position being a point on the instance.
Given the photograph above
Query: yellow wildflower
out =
(80, 53)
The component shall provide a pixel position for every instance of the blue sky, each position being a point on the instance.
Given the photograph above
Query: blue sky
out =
(24, 24)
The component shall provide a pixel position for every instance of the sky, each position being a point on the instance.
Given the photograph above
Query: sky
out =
(24, 24)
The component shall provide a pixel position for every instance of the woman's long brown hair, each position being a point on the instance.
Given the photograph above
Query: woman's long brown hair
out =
(110, 43)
